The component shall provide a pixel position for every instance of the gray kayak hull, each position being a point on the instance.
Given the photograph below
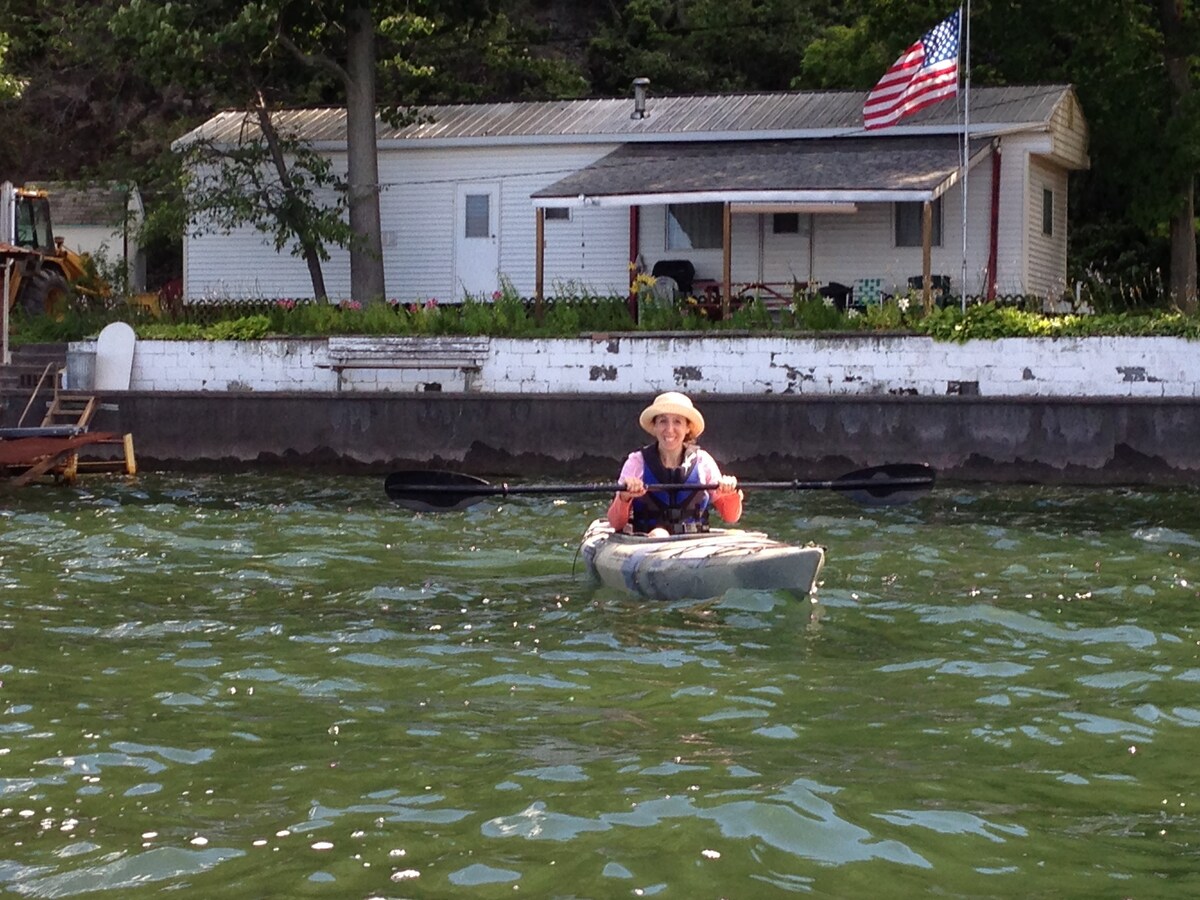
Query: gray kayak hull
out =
(698, 566)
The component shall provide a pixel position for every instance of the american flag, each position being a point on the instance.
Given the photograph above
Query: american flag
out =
(926, 73)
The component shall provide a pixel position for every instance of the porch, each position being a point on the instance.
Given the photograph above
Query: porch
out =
(853, 219)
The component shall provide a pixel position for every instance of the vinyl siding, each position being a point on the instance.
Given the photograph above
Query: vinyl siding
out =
(421, 187)
(244, 264)
(1069, 133)
(1012, 231)
(590, 250)
(418, 215)
(1047, 254)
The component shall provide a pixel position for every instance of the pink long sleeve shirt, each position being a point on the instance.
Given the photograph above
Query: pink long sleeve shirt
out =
(728, 505)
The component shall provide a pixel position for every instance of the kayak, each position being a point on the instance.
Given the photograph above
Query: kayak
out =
(698, 566)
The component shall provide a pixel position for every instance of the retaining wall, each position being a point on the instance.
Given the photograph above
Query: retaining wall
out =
(1083, 411)
(726, 363)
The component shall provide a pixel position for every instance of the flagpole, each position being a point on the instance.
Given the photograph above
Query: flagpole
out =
(965, 20)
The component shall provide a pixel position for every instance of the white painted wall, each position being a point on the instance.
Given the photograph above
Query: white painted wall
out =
(1047, 253)
(420, 214)
(848, 365)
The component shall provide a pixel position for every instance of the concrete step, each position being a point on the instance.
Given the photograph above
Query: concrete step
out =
(19, 378)
(29, 361)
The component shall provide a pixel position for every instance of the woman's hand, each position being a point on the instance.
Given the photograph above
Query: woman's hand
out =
(726, 484)
(634, 488)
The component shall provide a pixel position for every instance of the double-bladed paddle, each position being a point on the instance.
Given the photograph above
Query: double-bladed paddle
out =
(440, 491)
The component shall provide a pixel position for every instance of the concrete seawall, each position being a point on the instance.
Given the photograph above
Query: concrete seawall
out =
(1080, 410)
(1089, 441)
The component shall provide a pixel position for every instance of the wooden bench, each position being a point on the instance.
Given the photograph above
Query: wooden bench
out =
(464, 354)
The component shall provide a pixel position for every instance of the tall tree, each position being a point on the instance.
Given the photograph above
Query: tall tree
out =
(1132, 65)
(352, 62)
(229, 185)
(1181, 38)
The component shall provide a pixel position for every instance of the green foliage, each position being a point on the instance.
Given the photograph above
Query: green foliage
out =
(570, 316)
(230, 186)
(752, 316)
(121, 79)
(165, 331)
(815, 313)
(988, 322)
(476, 52)
(10, 85)
(74, 324)
(247, 328)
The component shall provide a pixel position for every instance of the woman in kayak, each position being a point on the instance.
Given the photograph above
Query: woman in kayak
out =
(674, 459)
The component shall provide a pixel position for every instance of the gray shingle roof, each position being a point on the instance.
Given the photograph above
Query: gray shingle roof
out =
(831, 169)
(765, 115)
(97, 204)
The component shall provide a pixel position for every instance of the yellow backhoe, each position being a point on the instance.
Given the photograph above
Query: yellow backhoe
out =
(41, 274)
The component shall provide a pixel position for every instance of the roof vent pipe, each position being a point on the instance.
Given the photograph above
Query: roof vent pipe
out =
(639, 98)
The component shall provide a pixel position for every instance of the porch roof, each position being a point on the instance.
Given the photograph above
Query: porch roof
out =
(812, 171)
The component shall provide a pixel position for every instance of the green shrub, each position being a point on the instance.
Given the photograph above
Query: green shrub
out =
(816, 313)
(574, 311)
(247, 328)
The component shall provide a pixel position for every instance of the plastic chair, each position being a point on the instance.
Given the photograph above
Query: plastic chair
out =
(665, 289)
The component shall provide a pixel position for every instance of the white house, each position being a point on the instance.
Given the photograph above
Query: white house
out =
(101, 220)
(758, 191)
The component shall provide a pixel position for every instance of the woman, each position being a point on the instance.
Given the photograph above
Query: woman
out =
(673, 459)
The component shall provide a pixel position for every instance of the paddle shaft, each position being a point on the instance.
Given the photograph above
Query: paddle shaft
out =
(433, 491)
(504, 490)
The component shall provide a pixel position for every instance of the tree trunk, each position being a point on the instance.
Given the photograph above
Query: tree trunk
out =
(362, 156)
(312, 256)
(1183, 220)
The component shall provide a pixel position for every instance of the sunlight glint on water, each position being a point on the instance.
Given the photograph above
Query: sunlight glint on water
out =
(250, 686)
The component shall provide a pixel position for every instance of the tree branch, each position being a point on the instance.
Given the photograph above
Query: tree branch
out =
(315, 61)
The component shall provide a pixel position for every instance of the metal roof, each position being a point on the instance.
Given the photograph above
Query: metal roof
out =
(826, 170)
(682, 118)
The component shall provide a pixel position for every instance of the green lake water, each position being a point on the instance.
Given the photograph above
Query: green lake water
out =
(253, 686)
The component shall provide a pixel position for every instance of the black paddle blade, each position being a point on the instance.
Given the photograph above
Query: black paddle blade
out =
(435, 491)
(888, 485)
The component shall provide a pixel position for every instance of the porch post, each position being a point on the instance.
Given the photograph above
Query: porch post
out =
(727, 264)
(5, 358)
(540, 266)
(635, 242)
(926, 255)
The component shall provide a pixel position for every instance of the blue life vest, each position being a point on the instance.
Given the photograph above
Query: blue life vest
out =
(681, 511)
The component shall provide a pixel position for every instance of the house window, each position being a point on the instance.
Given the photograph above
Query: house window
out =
(478, 216)
(1047, 211)
(558, 214)
(908, 224)
(694, 226)
(786, 223)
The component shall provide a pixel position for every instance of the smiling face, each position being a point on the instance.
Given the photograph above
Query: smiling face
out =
(671, 431)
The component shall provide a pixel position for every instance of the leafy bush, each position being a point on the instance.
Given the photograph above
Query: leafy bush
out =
(816, 313)
(575, 312)
(247, 328)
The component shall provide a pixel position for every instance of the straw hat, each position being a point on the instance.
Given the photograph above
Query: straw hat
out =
(674, 403)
